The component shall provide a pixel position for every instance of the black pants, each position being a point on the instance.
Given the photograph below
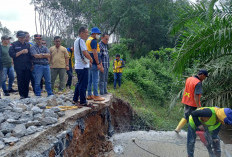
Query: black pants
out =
(70, 75)
(81, 86)
(23, 80)
(188, 110)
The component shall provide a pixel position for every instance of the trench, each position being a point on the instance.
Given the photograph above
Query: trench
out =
(108, 130)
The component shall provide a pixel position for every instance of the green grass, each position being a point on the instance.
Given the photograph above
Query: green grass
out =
(159, 117)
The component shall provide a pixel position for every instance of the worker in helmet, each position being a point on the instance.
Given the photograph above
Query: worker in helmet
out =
(191, 96)
(209, 120)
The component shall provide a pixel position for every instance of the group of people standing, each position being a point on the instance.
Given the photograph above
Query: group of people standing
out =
(36, 63)
(207, 120)
(91, 58)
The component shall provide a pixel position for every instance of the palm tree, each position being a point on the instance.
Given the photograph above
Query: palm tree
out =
(205, 42)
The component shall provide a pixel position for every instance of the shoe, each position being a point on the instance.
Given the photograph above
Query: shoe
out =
(6, 93)
(12, 90)
(98, 98)
(86, 104)
(89, 97)
(21, 97)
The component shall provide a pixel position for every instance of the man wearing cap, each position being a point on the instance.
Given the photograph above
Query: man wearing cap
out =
(41, 69)
(118, 66)
(59, 63)
(8, 69)
(207, 120)
(191, 96)
(94, 51)
(20, 52)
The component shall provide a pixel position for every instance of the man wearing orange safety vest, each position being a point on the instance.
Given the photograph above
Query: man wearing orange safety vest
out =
(191, 96)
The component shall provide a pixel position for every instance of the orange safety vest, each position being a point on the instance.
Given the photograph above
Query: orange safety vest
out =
(188, 96)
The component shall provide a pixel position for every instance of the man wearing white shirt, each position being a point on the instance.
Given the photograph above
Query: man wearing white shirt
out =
(82, 63)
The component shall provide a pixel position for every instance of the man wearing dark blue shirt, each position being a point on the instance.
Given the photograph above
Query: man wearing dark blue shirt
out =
(20, 52)
(41, 57)
(0, 67)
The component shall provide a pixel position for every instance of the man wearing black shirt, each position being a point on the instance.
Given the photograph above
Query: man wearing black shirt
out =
(0, 67)
(20, 52)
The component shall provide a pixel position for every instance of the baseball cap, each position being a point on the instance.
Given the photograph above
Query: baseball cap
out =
(203, 71)
(37, 36)
(20, 34)
(5, 37)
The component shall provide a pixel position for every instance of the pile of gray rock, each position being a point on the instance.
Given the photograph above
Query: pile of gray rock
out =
(24, 117)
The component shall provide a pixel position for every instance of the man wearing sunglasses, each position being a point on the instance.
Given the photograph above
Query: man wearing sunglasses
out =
(41, 55)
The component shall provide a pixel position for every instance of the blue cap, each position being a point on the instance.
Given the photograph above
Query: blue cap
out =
(204, 72)
(95, 30)
(228, 119)
(21, 34)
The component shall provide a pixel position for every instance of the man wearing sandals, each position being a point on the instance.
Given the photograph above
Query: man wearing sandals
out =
(82, 63)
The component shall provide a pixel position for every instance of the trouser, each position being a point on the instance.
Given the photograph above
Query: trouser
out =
(103, 81)
(10, 73)
(0, 80)
(70, 75)
(188, 110)
(81, 86)
(39, 72)
(93, 80)
(117, 78)
(61, 73)
(191, 139)
(23, 80)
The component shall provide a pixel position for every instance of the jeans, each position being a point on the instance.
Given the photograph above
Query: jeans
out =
(191, 139)
(10, 73)
(81, 86)
(117, 77)
(103, 81)
(61, 73)
(93, 80)
(39, 72)
(23, 80)
(0, 80)
(70, 75)
(188, 110)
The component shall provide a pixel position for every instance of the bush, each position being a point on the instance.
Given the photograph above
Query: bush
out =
(151, 76)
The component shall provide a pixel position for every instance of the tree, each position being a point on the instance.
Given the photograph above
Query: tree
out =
(205, 42)
(4, 30)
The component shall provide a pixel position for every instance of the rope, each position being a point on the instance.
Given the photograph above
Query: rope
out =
(144, 148)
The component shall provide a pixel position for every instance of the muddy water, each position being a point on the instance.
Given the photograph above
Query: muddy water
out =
(162, 144)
